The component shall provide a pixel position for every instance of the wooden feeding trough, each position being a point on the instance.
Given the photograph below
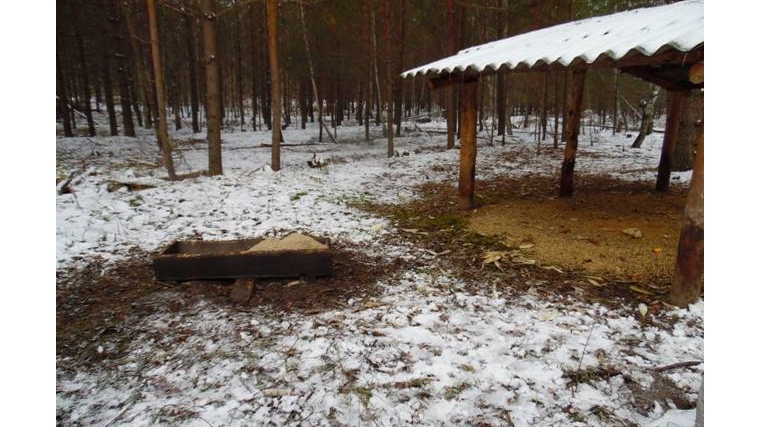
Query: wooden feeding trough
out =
(296, 255)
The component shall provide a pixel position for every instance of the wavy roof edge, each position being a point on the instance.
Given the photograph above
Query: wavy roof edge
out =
(645, 31)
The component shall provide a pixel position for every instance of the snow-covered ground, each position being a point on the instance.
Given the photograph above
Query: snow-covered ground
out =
(423, 352)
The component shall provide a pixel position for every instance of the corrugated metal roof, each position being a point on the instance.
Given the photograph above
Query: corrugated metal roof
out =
(645, 31)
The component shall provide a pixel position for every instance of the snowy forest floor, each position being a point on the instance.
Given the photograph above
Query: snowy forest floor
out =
(423, 322)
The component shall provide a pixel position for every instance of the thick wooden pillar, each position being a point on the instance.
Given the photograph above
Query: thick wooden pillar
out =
(675, 106)
(468, 144)
(572, 129)
(685, 287)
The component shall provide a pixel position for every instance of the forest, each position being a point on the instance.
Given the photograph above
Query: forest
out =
(338, 60)
(197, 139)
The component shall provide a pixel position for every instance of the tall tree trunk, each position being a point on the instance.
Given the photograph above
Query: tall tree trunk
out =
(275, 71)
(310, 104)
(63, 99)
(162, 131)
(133, 95)
(647, 116)
(313, 79)
(507, 79)
(368, 103)
(302, 101)
(616, 104)
(567, 75)
(121, 46)
(675, 106)
(239, 79)
(544, 105)
(557, 107)
(213, 104)
(141, 73)
(108, 92)
(266, 92)
(501, 101)
(339, 103)
(398, 89)
(389, 76)
(192, 62)
(85, 71)
(360, 105)
(254, 75)
(174, 96)
(97, 93)
(368, 98)
(451, 47)
(481, 106)
(378, 101)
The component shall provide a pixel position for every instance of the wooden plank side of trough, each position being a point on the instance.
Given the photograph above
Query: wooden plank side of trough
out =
(202, 260)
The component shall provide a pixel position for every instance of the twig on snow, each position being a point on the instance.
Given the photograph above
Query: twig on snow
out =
(677, 365)
(131, 401)
(583, 353)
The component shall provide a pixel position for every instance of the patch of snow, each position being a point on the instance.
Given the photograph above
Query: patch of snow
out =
(427, 353)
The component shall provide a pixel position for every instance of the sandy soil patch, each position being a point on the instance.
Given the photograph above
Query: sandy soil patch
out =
(593, 231)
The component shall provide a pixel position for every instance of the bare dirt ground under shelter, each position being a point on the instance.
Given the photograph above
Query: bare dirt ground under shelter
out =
(610, 229)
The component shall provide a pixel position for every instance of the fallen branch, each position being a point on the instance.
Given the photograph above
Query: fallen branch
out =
(677, 365)
(75, 177)
(142, 162)
(81, 114)
(264, 144)
(131, 186)
(634, 109)
(419, 129)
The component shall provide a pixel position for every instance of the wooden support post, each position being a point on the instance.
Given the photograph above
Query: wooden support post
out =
(468, 144)
(685, 288)
(675, 106)
(241, 290)
(572, 129)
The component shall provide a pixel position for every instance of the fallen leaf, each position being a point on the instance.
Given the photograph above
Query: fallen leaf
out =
(657, 250)
(667, 305)
(523, 261)
(633, 232)
(491, 257)
(594, 282)
(547, 315)
(643, 309)
(434, 253)
(277, 392)
(526, 246)
(640, 290)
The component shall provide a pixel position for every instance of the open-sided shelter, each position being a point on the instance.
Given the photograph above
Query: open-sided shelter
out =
(663, 45)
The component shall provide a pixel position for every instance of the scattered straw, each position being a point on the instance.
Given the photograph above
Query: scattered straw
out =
(293, 242)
